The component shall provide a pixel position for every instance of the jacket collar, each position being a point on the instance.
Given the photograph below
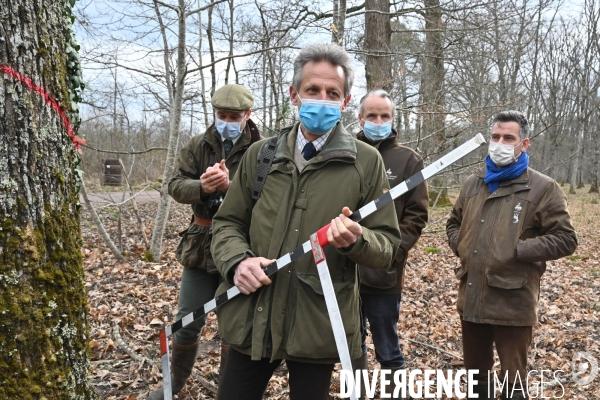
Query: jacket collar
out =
(386, 143)
(340, 144)
(517, 184)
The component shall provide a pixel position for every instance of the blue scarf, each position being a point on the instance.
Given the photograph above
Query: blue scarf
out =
(494, 175)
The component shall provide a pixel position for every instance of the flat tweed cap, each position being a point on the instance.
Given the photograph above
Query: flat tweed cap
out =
(232, 97)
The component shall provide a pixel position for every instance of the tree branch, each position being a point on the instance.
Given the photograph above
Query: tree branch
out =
(99, 225)
(124, 152)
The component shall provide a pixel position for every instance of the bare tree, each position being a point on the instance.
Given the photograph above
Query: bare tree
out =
(176, 90)
(338, 25)
(377, 45)
(432, 82)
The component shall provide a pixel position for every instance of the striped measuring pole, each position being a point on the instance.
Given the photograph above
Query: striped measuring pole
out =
(333, 309)
(306, 247)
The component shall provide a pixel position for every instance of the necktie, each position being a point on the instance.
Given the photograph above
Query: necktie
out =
(228, 144)
(308, 151)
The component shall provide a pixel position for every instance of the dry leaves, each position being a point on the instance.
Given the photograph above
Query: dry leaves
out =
(141, 297)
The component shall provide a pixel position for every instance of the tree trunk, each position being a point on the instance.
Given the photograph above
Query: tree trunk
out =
(378, 36)
(575, 163)
(202, 83)
(162, 213)
(339, 22)
(211, 48)
(595, 158)
(43, 324)
(432, 84)
(231, 41)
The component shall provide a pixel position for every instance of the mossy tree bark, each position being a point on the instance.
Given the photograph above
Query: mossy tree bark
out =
(43, 328)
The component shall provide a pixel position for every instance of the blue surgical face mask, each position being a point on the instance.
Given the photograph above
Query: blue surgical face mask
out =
(319, 116)
(376, 132)
(228, 130)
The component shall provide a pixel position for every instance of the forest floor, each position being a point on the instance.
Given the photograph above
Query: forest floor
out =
(131, 301)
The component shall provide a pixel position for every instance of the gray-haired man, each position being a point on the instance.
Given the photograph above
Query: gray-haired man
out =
(319, 174)
(381, 290)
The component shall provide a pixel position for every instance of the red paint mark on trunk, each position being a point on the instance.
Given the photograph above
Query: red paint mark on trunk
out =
(51, 101)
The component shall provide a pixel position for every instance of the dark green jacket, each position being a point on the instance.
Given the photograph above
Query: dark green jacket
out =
(411, 209)
(185, 187)
(503, 240)
(288, 319)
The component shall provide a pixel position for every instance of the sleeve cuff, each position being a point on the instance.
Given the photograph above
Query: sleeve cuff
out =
(230, 265)
(355, 248)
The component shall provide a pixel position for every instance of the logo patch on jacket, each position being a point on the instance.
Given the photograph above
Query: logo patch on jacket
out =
(517, 212)
(389, 174)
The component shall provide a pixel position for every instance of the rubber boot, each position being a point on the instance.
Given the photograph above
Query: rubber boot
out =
(517, 394)
(224, 355)
(361, 363)
(182, 363)
(481, 389)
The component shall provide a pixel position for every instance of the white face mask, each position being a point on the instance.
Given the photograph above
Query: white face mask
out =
(502, 154)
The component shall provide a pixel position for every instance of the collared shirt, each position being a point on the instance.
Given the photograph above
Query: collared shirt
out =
(234, 141)
(318, 143)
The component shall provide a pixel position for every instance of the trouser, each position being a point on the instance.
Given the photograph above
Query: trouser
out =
(383, 311)
(244, 379)
(197, 288)
(512, 345)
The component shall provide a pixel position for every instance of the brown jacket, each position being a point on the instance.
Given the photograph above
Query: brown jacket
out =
(503, 240)
(185, 188)
(411, 210)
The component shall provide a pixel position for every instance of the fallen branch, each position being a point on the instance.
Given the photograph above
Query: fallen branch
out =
(131, 353)
(435, 348)
(96, 362)
(125, 347)
(207, 384)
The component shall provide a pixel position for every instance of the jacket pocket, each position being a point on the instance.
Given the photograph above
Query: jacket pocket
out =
(378, 278)
(460, 272)
(193, 250)
(235, 318)
(506, 281)
(311, 334)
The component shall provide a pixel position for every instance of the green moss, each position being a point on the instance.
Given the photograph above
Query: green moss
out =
(578, 257)
(59, 176)
(53, 268)
(148, 256)
(432, 250)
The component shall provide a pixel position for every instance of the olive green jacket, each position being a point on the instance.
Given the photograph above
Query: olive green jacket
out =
(288, 319)
(503, 240)
(411, 209)
(185, 187)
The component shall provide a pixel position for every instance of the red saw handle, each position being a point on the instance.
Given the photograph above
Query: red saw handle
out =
(322, 235)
